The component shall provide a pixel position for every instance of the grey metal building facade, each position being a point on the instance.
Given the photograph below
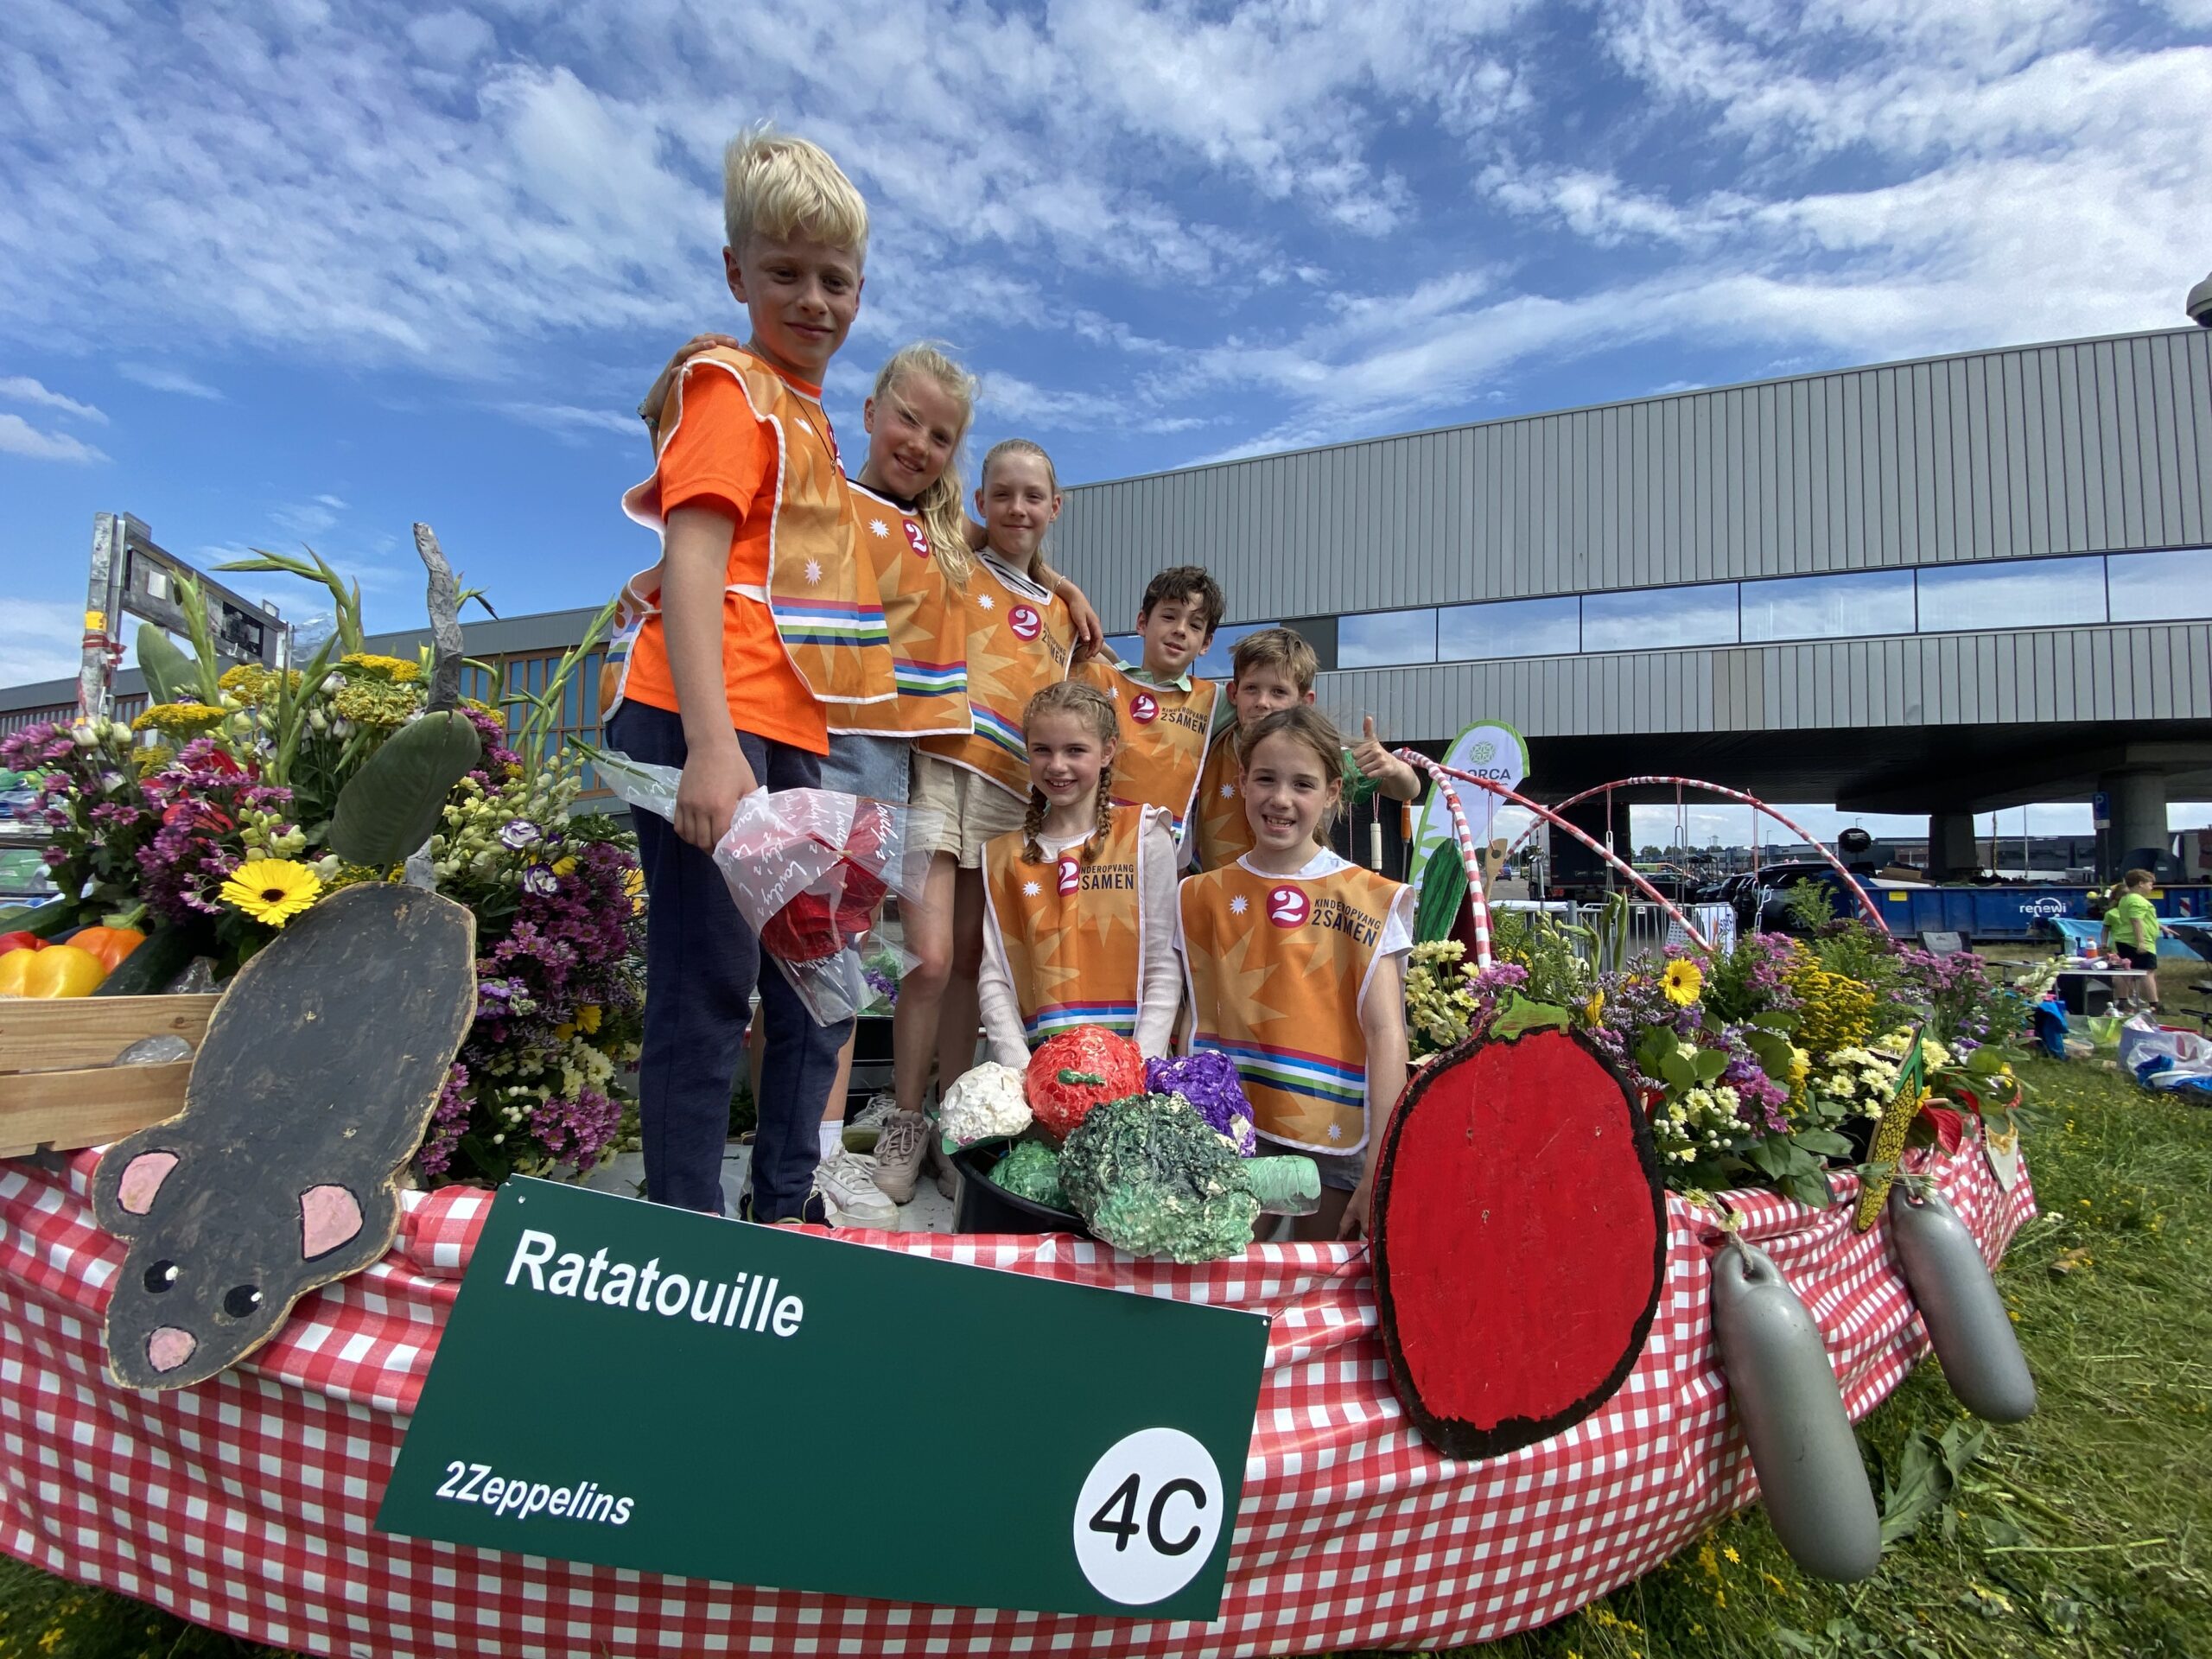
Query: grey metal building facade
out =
(1955, 582)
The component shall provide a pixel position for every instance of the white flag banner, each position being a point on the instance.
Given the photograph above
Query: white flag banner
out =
(1490, 750)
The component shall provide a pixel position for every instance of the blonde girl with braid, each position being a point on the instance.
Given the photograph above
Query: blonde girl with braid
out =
(1079, 916)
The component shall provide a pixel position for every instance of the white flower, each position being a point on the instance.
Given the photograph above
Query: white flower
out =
(1228, 791)
(878, 529)
(985, 600)
(1336, 1131)
(1029, 889)
(813, 573)
(83, 736)
(1236, 905)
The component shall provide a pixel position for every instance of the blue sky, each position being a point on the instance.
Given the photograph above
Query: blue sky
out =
(277, 271)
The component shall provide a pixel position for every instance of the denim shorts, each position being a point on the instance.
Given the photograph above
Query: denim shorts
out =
(864, 763)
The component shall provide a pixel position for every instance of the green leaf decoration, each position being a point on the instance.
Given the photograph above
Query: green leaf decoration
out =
(171, 676)
(1927, 1475)
(1521, 1015)
(391, 806)
(1711, 1062)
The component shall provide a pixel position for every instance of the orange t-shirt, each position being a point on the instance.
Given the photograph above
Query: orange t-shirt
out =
(723, 457)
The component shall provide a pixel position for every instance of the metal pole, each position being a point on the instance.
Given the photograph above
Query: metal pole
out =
(99, 650)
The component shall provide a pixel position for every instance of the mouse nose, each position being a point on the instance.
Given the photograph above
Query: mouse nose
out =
(169, 1347)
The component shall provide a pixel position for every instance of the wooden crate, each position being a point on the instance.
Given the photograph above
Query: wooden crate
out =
(58, 1084)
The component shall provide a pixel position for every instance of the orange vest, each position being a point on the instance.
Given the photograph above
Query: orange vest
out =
(1073, 933)
(928, 635)
(1225, 835)
(1163, 739)
(1018, 639)
(829, 613)
(1276, 970)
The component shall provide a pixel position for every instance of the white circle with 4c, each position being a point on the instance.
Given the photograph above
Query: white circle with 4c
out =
(1147, 1517)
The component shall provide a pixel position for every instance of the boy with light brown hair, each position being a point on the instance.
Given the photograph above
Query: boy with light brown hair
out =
(1270, 671)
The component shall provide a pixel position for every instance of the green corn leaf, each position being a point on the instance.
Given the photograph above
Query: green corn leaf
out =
(391, 806)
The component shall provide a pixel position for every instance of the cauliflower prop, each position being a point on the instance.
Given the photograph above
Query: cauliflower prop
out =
(983, 1104)
(1149, 1176)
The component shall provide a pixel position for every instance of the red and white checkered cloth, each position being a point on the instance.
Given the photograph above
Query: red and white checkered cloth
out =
(246, 1504)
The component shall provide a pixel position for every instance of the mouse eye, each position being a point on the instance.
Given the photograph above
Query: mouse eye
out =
(161, 1276)
(241, 1299)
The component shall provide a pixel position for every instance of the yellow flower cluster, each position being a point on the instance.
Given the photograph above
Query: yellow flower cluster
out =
(177, 719)
(1833, 1012)
(395, 669)
(1440, 1003)
(376, 703)
(250, 683)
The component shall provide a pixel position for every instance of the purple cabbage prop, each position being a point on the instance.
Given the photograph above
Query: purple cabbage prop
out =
(1209, 1081)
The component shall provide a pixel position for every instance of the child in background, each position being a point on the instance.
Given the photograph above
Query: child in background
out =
(1166, 713)
(1079, 917)
(1295, 963)
(1270, 670)
(2132, 925)
(733, 657)
(1020, 637)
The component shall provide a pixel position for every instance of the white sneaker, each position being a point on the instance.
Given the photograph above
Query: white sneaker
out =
(849, 1191)
(899, 1152)
(862, 1128)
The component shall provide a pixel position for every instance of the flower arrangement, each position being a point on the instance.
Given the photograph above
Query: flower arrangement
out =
(212, 815)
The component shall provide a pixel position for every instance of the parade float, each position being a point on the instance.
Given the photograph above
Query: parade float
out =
(308, 1353)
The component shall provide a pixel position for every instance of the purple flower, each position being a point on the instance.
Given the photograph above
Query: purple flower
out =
(518, 833)
(540, 880)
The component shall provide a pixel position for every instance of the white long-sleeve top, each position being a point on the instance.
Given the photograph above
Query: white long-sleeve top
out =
(1159, 994)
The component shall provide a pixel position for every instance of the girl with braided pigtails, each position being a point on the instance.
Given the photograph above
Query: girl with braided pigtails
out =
(1079, 913)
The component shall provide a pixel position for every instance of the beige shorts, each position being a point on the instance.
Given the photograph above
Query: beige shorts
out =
(974, 809)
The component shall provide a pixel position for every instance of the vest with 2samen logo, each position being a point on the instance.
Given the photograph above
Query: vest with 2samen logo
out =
(1163, 739)
(1020, 639)
(1276, 968)
(1073, 928)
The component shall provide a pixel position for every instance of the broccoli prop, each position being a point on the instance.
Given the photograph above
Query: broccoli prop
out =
(1031, 1170)
(1149, 1176)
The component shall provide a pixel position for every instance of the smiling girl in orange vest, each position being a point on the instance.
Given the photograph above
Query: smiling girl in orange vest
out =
(1020, 639)
(1079, 921)
(1295, 963)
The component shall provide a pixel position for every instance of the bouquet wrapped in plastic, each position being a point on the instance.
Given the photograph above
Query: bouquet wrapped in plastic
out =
(809, 870)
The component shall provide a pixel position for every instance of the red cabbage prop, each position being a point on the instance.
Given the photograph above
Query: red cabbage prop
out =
(1207, 1080)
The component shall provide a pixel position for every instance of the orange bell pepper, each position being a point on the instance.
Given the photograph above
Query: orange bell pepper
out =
(58, 970)
(110, 944)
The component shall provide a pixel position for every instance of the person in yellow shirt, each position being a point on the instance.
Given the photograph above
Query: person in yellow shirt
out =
(1166, 713)
(2132, 926)
(1295, 962)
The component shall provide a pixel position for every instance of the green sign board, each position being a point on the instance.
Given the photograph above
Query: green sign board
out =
(642, 1387)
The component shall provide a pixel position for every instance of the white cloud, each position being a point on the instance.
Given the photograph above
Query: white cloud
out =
(19, 437)
(21, 389)
(38, 641)
(572, 424)
(157, 378)
(308, 518)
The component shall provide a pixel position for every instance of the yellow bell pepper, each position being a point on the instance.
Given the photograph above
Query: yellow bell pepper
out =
(58, 970)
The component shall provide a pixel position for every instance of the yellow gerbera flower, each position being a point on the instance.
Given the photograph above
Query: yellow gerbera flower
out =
(272, 890)
(1594, 1009)
(1683, 982)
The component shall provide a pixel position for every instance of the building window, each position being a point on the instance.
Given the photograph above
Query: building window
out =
(1660, 618)
(1215, 664)
(1825, 607)
(1385, 639)
(2016, 594)
(2159, 587)
(1510, 628)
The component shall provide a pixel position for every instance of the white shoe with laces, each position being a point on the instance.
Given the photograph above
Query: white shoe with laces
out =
(862, 1128)
(846, 1185)
(900, 1153)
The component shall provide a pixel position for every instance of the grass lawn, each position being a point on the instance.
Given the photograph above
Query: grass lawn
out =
(2087, 1530)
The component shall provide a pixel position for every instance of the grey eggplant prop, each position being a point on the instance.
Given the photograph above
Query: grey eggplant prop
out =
(1811, 1477)
(1959, 1304)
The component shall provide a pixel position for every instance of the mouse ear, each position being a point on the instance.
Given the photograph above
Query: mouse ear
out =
(329, 1216)
(141, 1180)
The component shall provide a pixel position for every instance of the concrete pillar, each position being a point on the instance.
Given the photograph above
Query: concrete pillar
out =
(1953, 853)
(2138, 798)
